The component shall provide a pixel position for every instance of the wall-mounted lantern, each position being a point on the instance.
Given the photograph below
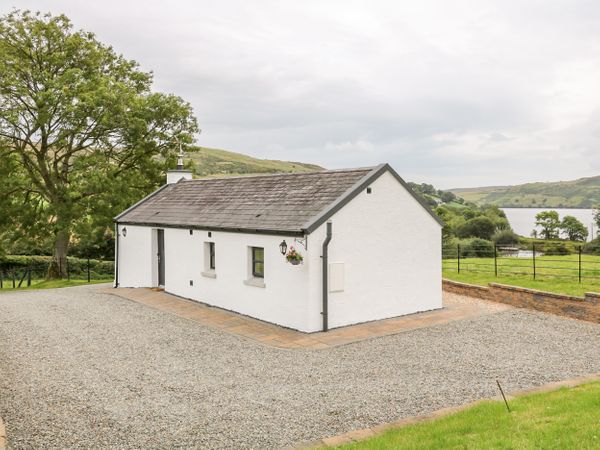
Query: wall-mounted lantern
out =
(124, 231)
(283, 247)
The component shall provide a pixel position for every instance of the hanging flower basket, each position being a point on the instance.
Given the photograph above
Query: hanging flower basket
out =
(293, 257)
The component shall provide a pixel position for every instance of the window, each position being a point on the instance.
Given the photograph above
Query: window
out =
(258, 262)
(209, 260)
(211, 255)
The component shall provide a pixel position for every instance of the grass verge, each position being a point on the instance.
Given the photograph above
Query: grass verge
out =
(49, 284)
(548, 284)
(566, 418)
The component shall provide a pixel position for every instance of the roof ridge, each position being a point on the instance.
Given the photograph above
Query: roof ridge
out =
(265, 175)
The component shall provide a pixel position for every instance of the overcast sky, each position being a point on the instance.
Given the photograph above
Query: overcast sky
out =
(454, 93)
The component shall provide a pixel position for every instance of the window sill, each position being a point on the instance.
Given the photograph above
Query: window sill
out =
(256, 282)
(209, 274)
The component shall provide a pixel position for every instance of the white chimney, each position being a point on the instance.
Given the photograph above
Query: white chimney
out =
(173, 176)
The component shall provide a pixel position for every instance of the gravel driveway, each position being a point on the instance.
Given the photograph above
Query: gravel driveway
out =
(79, 368)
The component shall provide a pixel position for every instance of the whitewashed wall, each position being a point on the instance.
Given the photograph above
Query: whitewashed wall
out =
(282, 300)
(137, 254)
(388, 244)
(390, 248)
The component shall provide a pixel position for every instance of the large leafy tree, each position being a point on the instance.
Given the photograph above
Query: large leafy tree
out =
(481, 227)
(81, 133)
(573, 229)
(549, 223)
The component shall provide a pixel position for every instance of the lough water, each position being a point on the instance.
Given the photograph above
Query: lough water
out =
(522, 220)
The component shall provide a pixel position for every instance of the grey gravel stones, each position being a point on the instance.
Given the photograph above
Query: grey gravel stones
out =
(82, 369)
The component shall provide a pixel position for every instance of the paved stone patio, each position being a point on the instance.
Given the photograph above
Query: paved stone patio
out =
(455, 308)
(2, 435)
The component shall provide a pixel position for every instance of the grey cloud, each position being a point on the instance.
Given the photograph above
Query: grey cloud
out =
(448, 92)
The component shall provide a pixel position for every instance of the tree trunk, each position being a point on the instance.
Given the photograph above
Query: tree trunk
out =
(58, 268)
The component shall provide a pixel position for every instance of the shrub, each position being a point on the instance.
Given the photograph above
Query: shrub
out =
(592, 247)
(556, 248)
(39, 266)
(480, 227)
(476, 248)
(505, 237)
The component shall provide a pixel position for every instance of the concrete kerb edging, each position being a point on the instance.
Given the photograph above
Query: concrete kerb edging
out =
(359, 435)
(2, 435)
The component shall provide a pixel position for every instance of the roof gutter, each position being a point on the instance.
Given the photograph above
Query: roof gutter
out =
(281, 232)
(325, 258)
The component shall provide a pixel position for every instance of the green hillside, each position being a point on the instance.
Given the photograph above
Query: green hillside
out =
(212, 161)
(581, 193)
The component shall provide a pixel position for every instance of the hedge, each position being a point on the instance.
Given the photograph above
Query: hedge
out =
(38, 265)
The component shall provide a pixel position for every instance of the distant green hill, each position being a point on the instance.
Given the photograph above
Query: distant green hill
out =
(212, 161)
(581, 193)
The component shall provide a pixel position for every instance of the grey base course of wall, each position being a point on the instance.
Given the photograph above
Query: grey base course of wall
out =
(2, 435)
(583, 308)
(359, 435)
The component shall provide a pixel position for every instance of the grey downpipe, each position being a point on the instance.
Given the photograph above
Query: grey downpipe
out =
(325, 276)
(116, 255)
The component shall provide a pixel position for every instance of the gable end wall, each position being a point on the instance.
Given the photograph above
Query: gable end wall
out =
(390, 248)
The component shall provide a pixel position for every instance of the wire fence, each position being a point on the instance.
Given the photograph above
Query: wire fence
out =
(536, 260)
(23, 272)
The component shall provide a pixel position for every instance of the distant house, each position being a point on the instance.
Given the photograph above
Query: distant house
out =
(370, 247)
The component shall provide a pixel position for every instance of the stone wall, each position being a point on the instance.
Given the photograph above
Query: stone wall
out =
(583, 308)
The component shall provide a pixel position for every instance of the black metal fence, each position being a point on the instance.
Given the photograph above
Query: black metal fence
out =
(536, 260)
(18, 272)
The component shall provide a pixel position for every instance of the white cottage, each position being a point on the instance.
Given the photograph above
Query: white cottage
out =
(370, 247)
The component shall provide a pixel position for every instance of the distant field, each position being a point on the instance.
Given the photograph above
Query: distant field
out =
(215, 162)
(558, 274)
(581, 193)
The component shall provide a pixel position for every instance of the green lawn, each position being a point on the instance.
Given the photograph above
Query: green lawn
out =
(49, 284)
(553, 273)
(566, 418)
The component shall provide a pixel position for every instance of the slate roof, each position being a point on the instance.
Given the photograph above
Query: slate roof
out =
(283, 203)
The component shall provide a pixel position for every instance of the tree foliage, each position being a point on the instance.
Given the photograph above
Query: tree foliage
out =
(573, 229)
(81, 133)
(480, 227)
(505, 237)
(471, 221)
(549, 223)
(447, 196)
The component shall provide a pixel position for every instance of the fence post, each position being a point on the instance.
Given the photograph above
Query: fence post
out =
(13, 278)
(533, 248)
(495, 260)
(29, 276)
(1, 280)
(580, 248)
(88, 268)
(68, 273)
(458, 255)
(23, 277)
